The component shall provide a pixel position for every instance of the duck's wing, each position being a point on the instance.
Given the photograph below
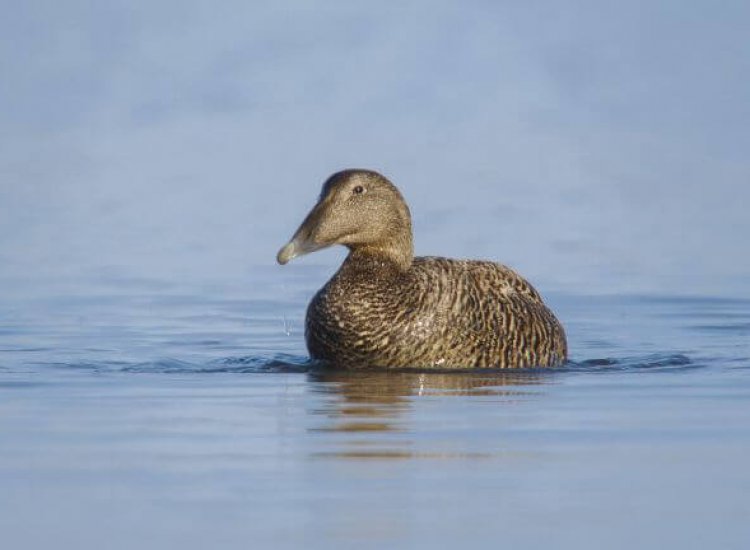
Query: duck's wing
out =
(488, 278)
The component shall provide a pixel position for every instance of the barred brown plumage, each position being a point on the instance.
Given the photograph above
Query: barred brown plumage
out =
(386, 308)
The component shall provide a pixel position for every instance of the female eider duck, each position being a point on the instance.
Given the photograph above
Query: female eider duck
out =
(386, 308)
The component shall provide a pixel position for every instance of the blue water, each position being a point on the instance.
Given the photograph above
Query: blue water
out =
(140, 413)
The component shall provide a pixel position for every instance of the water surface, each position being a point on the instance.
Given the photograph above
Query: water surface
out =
(140, 413)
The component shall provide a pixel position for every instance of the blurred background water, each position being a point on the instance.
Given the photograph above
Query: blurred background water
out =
(154, 386)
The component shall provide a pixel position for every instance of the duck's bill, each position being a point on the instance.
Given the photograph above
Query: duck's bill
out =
(295, 248)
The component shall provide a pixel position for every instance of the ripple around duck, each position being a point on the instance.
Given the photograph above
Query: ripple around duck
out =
(288, 363)
(651, 363)
(280, 363)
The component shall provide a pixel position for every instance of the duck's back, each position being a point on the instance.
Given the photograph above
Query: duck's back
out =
(439, 313)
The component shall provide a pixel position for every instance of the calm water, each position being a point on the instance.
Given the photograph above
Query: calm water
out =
(146, 414)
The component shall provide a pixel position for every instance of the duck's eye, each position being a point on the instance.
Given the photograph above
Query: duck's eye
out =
(358, 190)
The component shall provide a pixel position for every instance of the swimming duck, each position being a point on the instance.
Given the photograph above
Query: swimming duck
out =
(386, 308)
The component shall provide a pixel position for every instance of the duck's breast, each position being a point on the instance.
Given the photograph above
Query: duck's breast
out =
(356, 319)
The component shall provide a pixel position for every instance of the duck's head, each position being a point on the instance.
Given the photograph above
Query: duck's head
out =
(360, 209)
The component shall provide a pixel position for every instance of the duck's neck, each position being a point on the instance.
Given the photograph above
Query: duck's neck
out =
(398, 252)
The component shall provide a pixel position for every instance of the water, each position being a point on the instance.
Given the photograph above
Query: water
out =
(141, 413)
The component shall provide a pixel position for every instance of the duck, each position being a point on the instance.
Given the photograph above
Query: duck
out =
(385, 308)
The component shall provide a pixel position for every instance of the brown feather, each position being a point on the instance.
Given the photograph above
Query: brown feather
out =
(385, 308)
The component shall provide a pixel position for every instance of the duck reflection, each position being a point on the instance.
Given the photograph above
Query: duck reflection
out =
(380, 401)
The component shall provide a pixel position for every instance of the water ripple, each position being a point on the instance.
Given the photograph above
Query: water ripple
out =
(652, 362)
(280, 363)
(288, 363)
